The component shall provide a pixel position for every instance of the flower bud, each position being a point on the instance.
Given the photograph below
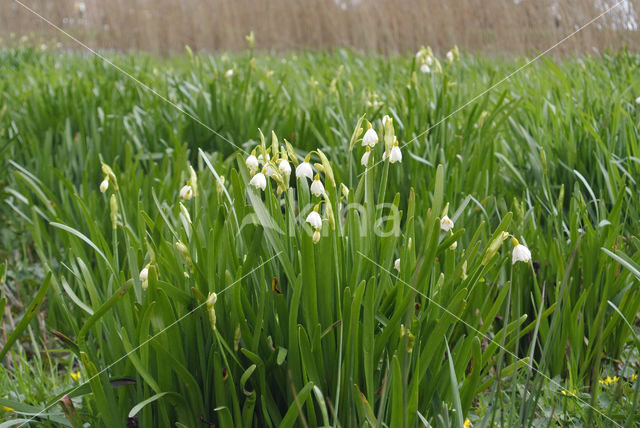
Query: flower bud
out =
(211, 300)
(113, 205)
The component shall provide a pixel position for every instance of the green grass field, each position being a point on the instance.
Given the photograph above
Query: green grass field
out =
(400, 303)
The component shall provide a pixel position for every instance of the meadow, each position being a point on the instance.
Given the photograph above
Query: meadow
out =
(221, 240)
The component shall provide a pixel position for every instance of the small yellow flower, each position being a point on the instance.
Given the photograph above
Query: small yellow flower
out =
(634, 377)
(609, 380)
(75, 375)
(6, 409)
(467, 423)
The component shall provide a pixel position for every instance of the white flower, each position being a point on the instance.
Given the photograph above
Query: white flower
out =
(396, 154)
(144, 278)
(259, 181)
(396, 265)
(521, 254)
(446, 223)
(638, 100)
(365, 157)
(144, 274)
(314, 220)
(317, 188)
(252, 163)
(370, 138)
(261, 159)
(450, 56)
(228, 73)
(428, 60)
(316, 236)
(284, 167)
(424, 68)
(104, 185)
(453, 246)
(186, 192)
(304, 170)
(268, 170)
(386, 118)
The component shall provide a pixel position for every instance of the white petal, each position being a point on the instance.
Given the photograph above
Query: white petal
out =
(104, 186)
(365, 158)
(521, 254)
(424, 68)
(251, 162)
(317, 188)
(314, 220)
(259, 181)
(446, 224)
(268, 171)
(396, 155)
(144, 274)
(284, 167)
(304, 170)
(370, 138)
(396, 265)
(186, 192)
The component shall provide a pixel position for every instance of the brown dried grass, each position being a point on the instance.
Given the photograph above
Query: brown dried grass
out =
(165, 26)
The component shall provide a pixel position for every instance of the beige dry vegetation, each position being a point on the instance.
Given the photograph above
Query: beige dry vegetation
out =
(162, 26)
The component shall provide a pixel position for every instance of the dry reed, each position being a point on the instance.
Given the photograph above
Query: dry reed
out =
(165, 26)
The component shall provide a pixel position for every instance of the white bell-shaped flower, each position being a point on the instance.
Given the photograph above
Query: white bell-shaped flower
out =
(252, 163)
(370, 138)
(520, 253)
(450, 56)
(259, 181)
(317, 188)
(104, 185)
(186, 192)
(268, 170)
(261, 158)
(365, 157)
(446, 223)
(314, 220)
(304, 170)
(424, 68)
(396, 154)
(284, 167)
(396, 265)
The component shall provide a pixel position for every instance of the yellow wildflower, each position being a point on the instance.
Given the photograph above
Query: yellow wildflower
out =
(467, 423)
(75, 375)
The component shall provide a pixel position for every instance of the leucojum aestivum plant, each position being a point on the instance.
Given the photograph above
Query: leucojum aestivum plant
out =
(359, 272)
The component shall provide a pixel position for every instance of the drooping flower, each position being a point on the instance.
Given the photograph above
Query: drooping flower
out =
(450, 56)
(424, 68)
(268, 170)
(186, 192)
(396, 154)
(638, 100)
(453, 246)
(259, 181)
(520, 253)
(370, 138)
(261, 158)
(284, 167)
(314, 219)
(396, 265)
(316, 236)
(304, 170)
(365, 157)
(446, 223)
(428, 60)
(144, 277)
(252, 163)
(104, 185)
(317, 188)
(229, 73)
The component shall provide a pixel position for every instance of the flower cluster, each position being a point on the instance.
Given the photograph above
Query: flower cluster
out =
(429, 63)
(370, 140)
(609, 380)
(262, 167)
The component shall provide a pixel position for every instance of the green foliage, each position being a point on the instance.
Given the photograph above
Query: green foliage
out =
(328, 332)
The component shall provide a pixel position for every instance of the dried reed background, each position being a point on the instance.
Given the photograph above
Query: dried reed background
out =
(165, 26)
